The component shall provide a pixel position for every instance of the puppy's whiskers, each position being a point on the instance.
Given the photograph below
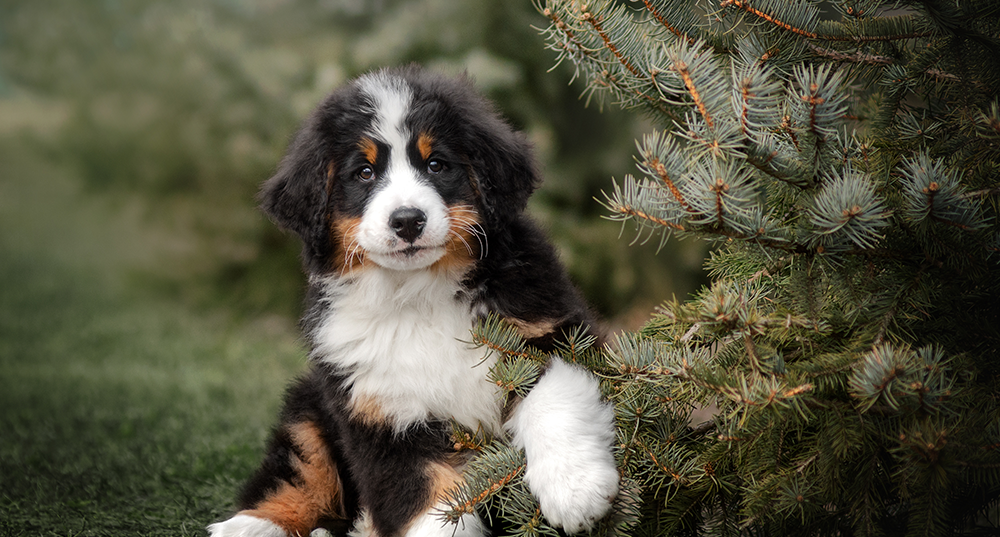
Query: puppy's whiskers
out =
(351, 250)
(468, 220)
(461, 238)
(477, 231)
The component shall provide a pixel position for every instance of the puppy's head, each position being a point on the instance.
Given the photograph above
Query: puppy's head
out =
(402, 169)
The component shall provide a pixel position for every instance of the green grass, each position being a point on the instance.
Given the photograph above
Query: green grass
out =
(123, 411)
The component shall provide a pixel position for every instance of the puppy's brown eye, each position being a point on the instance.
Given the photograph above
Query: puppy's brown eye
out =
(435, 166)
(366, 173)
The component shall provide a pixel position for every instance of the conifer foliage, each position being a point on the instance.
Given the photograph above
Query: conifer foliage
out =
(843, 158)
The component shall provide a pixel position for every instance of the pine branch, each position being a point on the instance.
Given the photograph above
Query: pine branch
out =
(577, 345)
(682, 67)
(595, 22)
(654, 103)
(497, 466)
(860, 38)
(678, 476)
(753, 238)
(666, 24)
(745, 6)
(630, 212)
(516, 375)
(786, 127)
(762, 392)
(981, 193)
(850, 57)
(570, 37)
(624, 211)
(499, 336)
(459, 507)
(661, 172)
(463, 440)
(766, 163)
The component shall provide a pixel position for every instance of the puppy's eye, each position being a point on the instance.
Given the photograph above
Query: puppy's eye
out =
(435, 166)
(366, 173)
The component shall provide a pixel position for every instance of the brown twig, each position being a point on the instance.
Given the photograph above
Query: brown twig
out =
(564, 28)
(741, 4)
(596, 23)
(684, 71)
(469, 506)
(661, 172)
(662, 20)
(629, 211)
(719, 188)
(482, 341)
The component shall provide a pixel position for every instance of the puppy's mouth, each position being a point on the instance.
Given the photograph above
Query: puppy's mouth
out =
(410, 251)
(414, 250)
(410, 257)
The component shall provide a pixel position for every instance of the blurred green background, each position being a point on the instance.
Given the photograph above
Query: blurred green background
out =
(147, 309)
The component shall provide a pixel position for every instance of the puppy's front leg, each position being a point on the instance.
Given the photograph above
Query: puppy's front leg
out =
(566, 432)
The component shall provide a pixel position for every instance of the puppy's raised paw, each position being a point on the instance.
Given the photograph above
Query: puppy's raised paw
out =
(572, 494)
(567, 432)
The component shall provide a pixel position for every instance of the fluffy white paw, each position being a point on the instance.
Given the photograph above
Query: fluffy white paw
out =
(567, 432)
(246, 526)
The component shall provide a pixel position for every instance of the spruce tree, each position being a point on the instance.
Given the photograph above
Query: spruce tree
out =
(843, 159)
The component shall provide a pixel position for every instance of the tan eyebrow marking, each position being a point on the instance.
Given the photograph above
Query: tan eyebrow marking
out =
(369, 149)
(424, 145)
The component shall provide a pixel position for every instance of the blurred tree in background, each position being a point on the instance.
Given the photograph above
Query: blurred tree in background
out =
(178, 110)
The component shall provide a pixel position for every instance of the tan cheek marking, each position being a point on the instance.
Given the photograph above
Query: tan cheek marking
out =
(463, 247)
(425, 145)
(369, 149)
(317, 492)
(347, 255)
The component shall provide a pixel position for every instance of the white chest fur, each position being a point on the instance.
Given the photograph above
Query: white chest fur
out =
(402, 339)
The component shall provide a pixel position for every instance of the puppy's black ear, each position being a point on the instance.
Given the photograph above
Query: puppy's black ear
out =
(501, 160)
(504, 170)
(296, 196)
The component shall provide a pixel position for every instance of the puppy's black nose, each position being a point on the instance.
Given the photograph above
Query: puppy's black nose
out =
(408, 223)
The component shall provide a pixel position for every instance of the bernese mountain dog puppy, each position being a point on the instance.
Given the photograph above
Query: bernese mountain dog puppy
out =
(408, 192)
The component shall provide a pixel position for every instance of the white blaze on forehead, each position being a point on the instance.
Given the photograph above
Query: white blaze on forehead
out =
(390, 101)
(400, 185)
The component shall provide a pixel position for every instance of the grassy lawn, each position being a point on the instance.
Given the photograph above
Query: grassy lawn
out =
(123, 410)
